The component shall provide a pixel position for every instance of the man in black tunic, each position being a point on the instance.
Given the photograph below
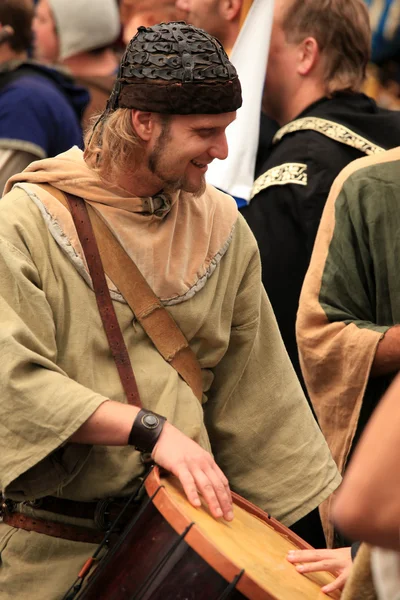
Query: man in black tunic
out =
(316, 69)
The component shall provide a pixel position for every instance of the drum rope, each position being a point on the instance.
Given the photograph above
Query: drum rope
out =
(231, 587)
(143, 589)
(84, 572)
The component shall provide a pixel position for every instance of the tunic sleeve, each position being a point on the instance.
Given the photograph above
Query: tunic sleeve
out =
(261, 428)
(40, 406)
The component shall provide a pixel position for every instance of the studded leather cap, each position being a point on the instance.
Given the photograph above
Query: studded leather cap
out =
(176, 68)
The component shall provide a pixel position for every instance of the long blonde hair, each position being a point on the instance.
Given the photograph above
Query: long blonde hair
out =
(112, 146)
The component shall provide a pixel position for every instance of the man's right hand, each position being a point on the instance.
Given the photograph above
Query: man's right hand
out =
(196, 470)
(111, 424)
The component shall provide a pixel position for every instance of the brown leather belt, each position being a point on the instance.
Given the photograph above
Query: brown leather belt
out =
(58, 530)
(100, 512)
(103, 513)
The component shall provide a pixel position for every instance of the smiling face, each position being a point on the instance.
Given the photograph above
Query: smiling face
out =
(183, 146)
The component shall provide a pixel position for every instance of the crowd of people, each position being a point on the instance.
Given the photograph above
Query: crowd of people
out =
(262, 353)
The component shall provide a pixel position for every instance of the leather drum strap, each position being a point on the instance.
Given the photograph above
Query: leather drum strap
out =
(145, 305)
(111, 326)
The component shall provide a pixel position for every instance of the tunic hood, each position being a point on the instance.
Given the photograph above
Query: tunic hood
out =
(175, 240)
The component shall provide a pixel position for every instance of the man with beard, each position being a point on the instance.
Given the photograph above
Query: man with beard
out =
(211, 369)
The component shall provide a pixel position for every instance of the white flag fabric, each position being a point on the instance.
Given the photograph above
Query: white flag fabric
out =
(235, 175)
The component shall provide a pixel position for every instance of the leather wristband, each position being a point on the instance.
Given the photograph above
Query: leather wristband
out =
(146, 430)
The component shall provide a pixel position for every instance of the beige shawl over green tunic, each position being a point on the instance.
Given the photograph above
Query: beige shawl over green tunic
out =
(350, 295)
(56, 370)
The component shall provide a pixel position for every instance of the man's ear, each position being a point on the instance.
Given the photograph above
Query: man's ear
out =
(308, 56)
(142, 123)
(230, 9)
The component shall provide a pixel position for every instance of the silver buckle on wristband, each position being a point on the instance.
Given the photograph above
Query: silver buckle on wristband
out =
(146, 430)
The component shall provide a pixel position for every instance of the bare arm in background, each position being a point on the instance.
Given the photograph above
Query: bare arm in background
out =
(387, 357)
(367, 506)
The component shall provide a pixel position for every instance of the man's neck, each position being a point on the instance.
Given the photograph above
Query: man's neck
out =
(7, 54)
(298, 102)
(142, 184)
(92, 65)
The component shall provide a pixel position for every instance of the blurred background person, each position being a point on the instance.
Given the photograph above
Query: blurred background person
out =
(383, 81)
(135, 13)
(40, 108)
(348, 326)
(79, 36)
(385, 25)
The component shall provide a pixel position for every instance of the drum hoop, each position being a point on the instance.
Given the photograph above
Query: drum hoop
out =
(197, 540)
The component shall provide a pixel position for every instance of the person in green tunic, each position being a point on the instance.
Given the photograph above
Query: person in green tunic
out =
(65, 421)
(347, 323)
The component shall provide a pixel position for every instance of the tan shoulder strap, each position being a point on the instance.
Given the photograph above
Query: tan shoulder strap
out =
(145, 305)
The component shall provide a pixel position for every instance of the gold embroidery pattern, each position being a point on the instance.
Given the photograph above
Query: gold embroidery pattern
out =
(332, 130)
(281, 175)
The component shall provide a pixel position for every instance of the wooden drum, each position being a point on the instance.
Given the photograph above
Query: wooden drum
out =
(173, 551)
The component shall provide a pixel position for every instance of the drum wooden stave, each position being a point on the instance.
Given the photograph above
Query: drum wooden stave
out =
(175, 552)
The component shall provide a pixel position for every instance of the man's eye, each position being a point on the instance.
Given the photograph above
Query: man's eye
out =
(205, 132)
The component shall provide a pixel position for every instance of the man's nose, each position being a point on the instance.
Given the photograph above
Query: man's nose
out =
(220, 148)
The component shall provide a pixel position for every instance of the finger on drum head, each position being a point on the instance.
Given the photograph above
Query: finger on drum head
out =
(189, 487)
(307, 555)
(206, 489)
(312, 566)
(223, 493)
(224, 480)
(338, 584)
(215, 493)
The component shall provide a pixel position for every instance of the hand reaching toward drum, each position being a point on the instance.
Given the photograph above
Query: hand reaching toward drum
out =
(196, 470)
(337, 560)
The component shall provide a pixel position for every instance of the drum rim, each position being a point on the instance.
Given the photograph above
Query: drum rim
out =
(202, 545)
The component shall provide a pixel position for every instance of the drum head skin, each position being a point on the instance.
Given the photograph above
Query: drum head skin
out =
(253, 545)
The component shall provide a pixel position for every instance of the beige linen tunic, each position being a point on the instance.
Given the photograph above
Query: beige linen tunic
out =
(56, 369)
